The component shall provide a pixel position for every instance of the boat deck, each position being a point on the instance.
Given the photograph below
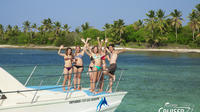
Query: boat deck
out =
(59, 89)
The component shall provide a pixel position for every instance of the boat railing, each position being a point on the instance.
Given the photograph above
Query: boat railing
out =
(57, 77)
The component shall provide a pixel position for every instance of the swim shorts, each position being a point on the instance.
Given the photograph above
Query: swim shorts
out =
(112, 68)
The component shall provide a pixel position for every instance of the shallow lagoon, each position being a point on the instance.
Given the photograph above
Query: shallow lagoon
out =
(152, 78)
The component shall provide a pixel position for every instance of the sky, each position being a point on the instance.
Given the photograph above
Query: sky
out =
(96, 12)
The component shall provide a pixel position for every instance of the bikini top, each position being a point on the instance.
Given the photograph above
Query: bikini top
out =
(79, 56)
(96, 57)
(103, 57)
(66, 58)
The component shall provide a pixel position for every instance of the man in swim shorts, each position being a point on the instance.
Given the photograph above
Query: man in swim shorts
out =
(113, 65)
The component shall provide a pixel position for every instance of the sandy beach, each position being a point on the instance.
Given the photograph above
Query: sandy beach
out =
(128, 49)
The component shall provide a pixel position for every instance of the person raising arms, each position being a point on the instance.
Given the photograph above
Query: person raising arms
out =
(97, 64)
(78, 67)
(113, 63)
(104, 56)
(68, 65)
(90, 69)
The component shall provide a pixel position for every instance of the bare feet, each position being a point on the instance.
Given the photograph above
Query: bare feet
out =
(79, 88)
(91, 90)
(64, 89)
(96, 92)
(100, 90)
(110, 91)
(68, 88)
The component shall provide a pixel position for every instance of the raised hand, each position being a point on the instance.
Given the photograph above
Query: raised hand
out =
(88, 38)
(97, 38)
(106, 40)
(61, 46)
(83, 40)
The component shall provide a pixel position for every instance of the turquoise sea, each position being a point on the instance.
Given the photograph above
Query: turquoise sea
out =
(152, 80)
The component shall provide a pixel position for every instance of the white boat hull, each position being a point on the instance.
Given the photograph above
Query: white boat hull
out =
(87, 104)
(18, 98)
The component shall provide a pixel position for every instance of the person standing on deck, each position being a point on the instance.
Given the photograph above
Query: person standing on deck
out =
(95, 53)
(113, 63)
(78, 67)
(68, 58)
(104, 56)
(91, 65)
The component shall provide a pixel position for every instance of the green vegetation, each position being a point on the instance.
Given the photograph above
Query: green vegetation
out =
(157, 30)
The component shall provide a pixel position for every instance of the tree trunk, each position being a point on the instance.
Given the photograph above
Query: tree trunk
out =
(31, 35)
(105, 35)
(152, 31)
(193, 34)
(176, 35)
(2, 37)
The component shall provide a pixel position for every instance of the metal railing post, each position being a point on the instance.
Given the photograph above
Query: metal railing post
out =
(36, 91)
(98, 80)
(107, 86)
(30, 75)
(59, 79)
(118, 81)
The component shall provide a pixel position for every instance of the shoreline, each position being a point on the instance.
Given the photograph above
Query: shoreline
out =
(128, 49)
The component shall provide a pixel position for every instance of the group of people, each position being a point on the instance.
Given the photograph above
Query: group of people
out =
(97, 68)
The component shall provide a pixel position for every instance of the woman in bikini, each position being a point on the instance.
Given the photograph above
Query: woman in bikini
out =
(90, 69)
(91, 65)
(97, 64)
(78, 67)
(68, 65)
(104, 69)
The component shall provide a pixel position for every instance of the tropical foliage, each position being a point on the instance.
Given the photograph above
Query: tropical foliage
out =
(157, 29)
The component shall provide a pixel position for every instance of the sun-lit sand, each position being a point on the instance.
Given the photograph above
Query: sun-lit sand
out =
(128, 49)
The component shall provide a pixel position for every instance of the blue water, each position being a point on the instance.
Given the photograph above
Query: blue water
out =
(152, 78)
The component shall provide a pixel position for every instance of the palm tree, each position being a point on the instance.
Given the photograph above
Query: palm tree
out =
(49, 24)
(26, 26)
(161, 21)
(198, 14)
(198, 7)
(151, 21)
(34, 26)
(77, 30)
(85, 26)
(41, 29)
(194, 25)
(106, 28)
(118, 30)
(176, 20)
(15, 30)
(138, 24)
(121, 28)
(66, 27)
(57, 26)
(1, 31)
(9, 30)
